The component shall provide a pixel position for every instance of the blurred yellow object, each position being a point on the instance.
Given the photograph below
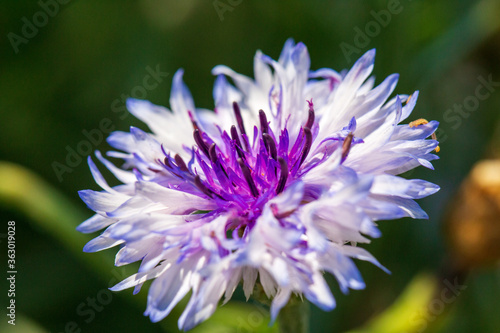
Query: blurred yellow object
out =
(409, 313)
(473, 223)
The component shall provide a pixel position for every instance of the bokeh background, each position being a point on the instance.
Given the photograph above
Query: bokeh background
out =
(75, 70)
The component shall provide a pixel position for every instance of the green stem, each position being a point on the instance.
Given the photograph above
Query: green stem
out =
(294, 317)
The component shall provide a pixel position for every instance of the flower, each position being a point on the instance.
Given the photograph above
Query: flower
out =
(277, 184)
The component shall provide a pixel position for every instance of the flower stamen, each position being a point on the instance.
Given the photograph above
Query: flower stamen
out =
(310, 118)
(263, 122)
(270, 145)
(248, 177)
(212, 153)
(307, 145)
(346, 146)
(199, 184)
(200, 142)
(280, 215)
(241, 126)
(234, 135)
(166, 161)
(180, 163)
(237, 142)
(283, 175)
(193, 122)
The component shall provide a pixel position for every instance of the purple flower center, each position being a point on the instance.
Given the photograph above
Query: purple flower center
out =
(241, 176)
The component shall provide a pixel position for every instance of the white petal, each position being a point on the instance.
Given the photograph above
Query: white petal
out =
(100, 243)
(410, 189)
(173, 200)
(121, 175)
(96, 222)
(138, 278)
(279, 301)
(102, 202)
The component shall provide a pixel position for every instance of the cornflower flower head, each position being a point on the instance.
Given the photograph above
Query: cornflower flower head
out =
(275, 186)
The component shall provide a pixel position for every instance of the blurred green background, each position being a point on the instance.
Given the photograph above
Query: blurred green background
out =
(83, 59)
